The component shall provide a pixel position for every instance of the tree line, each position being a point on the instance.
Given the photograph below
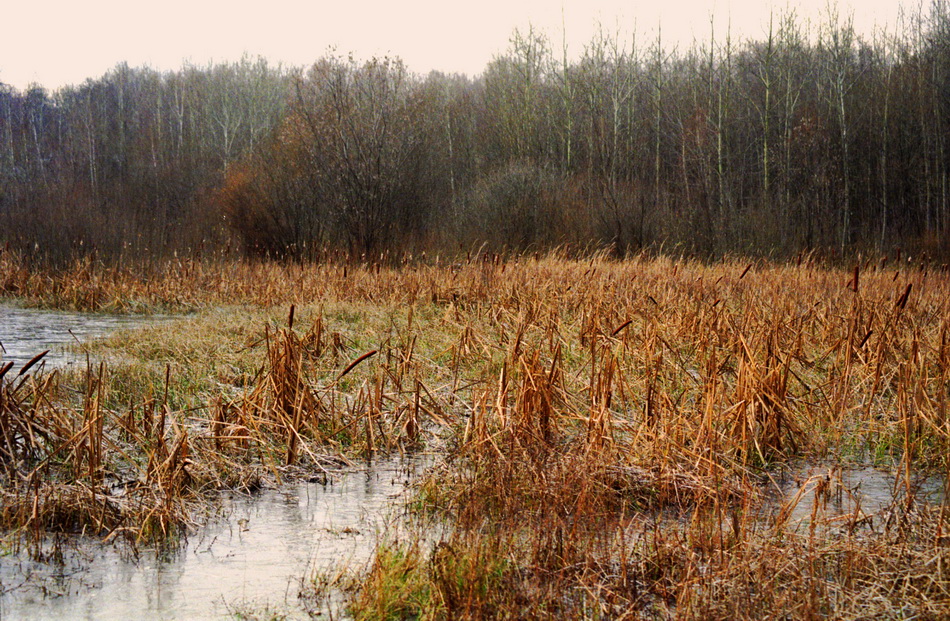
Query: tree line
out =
(810, 138)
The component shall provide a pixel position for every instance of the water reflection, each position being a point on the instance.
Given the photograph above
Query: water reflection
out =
(26, 332)
(255, 553)
(849, 495)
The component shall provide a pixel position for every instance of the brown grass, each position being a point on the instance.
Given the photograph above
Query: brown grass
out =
(609, 427)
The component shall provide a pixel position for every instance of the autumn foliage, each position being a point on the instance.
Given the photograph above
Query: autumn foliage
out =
(807, 139)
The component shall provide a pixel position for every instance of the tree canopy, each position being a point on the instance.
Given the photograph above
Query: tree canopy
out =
(805, 140)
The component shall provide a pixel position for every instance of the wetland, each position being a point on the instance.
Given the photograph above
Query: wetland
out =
(527, 438)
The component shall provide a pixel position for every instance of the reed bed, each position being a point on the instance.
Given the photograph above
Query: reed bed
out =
(609, 429)
(133, 454)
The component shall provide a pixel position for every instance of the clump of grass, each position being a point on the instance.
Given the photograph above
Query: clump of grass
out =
(397, 587)
(713, 561)
(59, 472)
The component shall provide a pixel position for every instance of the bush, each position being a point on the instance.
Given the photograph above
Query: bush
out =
(519, 207)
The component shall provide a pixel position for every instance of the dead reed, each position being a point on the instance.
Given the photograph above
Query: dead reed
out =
(609, 427)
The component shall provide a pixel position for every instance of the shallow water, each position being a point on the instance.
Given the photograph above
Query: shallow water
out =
(851, 493)
(251, 554)
(254, 555)
(26, 332)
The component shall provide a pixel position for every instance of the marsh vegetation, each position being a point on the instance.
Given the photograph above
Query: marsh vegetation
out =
(621, 300)
(653, 437)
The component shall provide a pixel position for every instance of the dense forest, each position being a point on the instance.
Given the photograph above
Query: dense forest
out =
(810, 138)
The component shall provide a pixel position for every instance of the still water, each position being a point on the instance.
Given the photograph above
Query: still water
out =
(26, 332)
(847, 495)
(250, 554)
(251, 557)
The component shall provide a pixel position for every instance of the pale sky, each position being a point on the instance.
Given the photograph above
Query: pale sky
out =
(59, 42)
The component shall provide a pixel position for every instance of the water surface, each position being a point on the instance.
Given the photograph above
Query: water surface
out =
(253, 556)
(26, 332)
(849, 495)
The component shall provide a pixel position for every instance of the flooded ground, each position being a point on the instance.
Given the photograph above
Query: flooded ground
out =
(848, 495)
(254, 551)
(251, 557)
(26, 332)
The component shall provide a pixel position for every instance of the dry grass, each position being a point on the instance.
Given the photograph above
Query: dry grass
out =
(609, 427)
(130, 453)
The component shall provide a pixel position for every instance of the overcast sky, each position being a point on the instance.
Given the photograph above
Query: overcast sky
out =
(58, 42)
